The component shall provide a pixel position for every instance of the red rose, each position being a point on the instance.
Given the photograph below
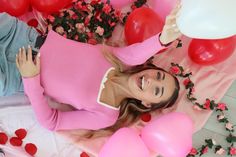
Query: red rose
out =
(175, 70)
(106, 8)
(51, 18)
(92, 41)
(118, 13)
(186, 81)
(221, 106)
(207, 104)
(205, 150)
(193, 151)
(232, 151)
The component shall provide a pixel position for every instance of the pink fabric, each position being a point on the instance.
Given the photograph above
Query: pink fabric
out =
(73, 73)
(210, 81)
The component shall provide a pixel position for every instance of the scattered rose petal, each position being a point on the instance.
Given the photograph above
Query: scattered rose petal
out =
(83, 154)
(21, 133)
(30, 148)
(146, 117)
(33, 23)
(15, 141)
(3, 138)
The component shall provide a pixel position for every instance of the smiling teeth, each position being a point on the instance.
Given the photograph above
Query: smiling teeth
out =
(142, 86)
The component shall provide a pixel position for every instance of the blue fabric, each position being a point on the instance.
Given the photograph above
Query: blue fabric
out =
(14, 34)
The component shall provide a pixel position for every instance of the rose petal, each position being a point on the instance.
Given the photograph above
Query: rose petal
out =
(31, 148)
(21, 133)
(15, 141)
(146, 117)
(3, 138)
(83, 154)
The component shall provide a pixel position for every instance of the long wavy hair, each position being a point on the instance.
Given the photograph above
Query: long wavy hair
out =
(131, 109)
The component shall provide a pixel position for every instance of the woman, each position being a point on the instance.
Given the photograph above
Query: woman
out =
(103, 90)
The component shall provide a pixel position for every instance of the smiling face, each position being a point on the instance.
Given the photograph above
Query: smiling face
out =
(151, 86)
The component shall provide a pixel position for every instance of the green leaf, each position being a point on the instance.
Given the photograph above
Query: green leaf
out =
(209, 143)
(231, 138)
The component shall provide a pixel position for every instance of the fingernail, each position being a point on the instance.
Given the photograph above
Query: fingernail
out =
(29, 46)
(19, 49)
(23, 47)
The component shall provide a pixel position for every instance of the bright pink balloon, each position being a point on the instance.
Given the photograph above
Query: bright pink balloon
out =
(163, 7)
(124, 143)
(14, 7)
(119, 3)
(169, 135)
(208, 52)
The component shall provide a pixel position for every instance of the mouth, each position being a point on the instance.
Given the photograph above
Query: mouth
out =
(141, 82)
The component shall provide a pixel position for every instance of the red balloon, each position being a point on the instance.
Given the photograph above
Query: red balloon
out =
(50, 6)
(208, 52)
(141, 24)
(14, 7)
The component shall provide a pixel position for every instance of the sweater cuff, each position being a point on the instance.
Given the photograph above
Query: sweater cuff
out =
(31, 83)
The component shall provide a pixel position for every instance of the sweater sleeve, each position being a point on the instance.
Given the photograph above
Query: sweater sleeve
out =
(54, 119)
(139, 53)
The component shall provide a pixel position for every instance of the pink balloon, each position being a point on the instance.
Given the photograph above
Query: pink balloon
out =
(124, 143)
(163, 7)
(170, 135)
(119, 3)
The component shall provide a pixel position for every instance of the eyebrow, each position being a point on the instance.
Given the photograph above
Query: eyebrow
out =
(164, 75)
(162, 91)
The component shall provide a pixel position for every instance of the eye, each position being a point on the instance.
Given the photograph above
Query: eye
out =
(157, 90)
(158, 75)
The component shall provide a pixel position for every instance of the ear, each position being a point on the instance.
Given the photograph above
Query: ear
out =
(146, 104)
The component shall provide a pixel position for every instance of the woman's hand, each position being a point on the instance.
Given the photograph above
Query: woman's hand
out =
(170, 30)
(25, 63)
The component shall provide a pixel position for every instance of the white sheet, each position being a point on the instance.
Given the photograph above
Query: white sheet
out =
(13, 117)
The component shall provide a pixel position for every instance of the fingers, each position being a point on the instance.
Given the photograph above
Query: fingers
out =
(23, 54)
(38, 61)
(29, 54)
(17, 61)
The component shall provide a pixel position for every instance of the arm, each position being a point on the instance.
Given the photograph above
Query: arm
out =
(138, 53)
(54, 119)
(48, 117)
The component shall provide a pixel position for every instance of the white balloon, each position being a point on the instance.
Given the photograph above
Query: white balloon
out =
(207, 19)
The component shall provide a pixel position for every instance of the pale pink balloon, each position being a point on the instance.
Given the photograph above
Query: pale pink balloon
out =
(124, 143)
(170, 135)
(120, 3)
(163, 7)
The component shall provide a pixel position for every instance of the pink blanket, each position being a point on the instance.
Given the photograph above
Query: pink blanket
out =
(210, 82)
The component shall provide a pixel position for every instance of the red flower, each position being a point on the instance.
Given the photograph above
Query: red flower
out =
(74, 17)
(146, 117)
(193, 151)
(3, 138)
(232, 151)
(205, 150)
(186, 81)
(99, 30)
(30, 148)
(106, 8)
(94, 2)
(111, 23)
(175, 70)
(86, 21)
(118, 13)
(207, 104)
(133, 7)
(92, 41)
(221, 106)
(83, 154)
(51, 18)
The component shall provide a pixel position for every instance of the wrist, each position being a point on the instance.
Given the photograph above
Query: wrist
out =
(163, 42)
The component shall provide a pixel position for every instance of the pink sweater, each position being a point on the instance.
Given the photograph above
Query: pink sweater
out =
(74, 73)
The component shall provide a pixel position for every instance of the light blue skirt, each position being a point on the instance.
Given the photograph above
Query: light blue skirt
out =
(14, 34)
